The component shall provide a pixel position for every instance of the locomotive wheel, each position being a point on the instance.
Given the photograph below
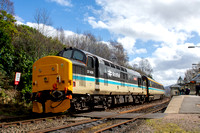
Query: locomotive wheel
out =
(104, 103)
(91, 104)
(109, 102)
(142, 100)
(133, 100)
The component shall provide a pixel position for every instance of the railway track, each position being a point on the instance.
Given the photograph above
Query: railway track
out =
(118, 125)
(23, 122)
(95, 122)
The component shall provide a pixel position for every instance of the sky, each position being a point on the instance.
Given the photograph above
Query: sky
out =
(159, 30)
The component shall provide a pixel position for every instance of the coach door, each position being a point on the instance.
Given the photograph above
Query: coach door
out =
(146, 84)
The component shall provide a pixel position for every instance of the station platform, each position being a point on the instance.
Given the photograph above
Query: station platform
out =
(184, 104)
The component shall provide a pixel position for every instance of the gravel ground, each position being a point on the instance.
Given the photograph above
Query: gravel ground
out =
(49, 123)
(172, 123)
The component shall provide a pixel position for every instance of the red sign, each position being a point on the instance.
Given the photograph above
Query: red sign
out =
(17, 78)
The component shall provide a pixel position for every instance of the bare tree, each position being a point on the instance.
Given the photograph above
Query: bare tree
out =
(43, 20)
(89, 43)
(60, 35)
(7, 6)
(144, 67)
(191, 73)
(119, 55)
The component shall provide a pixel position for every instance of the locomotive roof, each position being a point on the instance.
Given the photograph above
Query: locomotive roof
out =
(154, 81)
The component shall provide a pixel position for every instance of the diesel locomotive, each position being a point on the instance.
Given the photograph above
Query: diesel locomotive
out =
(79, 80)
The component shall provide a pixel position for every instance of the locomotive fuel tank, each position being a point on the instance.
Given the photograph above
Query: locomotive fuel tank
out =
(52, 84)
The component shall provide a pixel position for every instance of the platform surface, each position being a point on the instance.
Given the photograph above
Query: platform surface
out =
(184, 104)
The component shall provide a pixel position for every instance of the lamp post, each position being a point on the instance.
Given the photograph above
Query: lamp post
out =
(193, 46)
(181, 83)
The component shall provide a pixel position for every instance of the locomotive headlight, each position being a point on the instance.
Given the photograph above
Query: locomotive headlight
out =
(35, 83)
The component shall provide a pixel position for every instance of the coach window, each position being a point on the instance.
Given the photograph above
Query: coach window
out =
(90, 62)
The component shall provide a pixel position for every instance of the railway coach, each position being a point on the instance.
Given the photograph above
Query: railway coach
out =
(80, 80)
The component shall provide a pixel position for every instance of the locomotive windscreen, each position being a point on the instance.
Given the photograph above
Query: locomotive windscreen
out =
(73, 54)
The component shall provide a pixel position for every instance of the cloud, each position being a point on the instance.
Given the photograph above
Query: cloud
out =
(168, 24)
(140, 51)
(19, 20)
(128, 43)
(49, 30)
(95, 24)
(62, 2)
(45, 29)
(169, 63)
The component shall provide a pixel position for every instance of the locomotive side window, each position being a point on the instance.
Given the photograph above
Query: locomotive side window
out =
(112, 65)
(106, 63)
(90, 62)
(123, 76)
(67, 54)
(118, 67)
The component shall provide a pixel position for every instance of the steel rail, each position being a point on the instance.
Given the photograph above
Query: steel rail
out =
(16, 123)
(125, 122)
(140, 108)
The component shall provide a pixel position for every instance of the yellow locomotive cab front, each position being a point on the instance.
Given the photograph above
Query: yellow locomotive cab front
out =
(52, 84)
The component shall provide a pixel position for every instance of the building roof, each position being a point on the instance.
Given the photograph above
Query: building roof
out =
(175, 86)
(196, 78)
